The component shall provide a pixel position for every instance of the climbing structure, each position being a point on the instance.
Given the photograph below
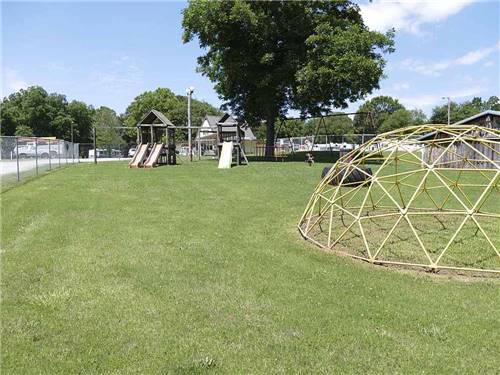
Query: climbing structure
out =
(425, 196)
(156, 141)
(230, 131)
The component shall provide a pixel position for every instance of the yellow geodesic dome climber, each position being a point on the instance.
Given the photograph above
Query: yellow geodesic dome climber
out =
(423, 196)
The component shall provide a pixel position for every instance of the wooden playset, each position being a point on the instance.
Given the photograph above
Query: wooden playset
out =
(229, 142)
(156, 141)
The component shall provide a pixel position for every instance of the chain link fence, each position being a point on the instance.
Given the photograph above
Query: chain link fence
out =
(108, 151)
(25, 157)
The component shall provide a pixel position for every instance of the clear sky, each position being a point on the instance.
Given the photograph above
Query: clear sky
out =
(106, 53)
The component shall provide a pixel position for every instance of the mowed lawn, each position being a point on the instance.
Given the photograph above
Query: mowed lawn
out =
(191, 269)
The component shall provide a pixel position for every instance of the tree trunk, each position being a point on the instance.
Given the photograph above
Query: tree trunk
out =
(270, 136)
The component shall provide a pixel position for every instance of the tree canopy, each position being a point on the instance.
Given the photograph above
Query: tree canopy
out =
(266, 57)
(106, 122)
(460, 111)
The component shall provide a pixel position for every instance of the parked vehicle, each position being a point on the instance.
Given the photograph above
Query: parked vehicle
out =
(104, 153)
(131, 152)
(100, 153)
(30, 150)
(209, 153)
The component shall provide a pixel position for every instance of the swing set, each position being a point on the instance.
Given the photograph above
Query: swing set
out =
(321, 125)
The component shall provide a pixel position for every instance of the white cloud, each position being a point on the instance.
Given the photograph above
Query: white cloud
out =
(120, 74)
(487, 64)
(428, 100)
(435, 68)
(409, 15)
(12, 82)
(400, 86)
(477, 55)
(57, 67)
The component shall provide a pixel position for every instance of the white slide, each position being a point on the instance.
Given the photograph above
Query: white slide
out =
(154, 155)
(226, 155)
(139, 156)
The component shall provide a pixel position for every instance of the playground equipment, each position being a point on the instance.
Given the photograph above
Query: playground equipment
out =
(229, 132)
(432, 200)
(226, 155)
(156, 141)
(319, 143)
(140, 155)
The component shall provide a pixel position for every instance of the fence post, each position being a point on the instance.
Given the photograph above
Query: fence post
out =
(50, 161)
(95, 151)
(36, 156)
(17, 159)
(72, 146)
(59, 151)
(65, 153)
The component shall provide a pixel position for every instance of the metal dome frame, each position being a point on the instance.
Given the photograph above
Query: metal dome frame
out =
(415, 164)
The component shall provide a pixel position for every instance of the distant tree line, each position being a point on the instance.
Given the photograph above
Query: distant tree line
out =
(381, 114)
(34, 112)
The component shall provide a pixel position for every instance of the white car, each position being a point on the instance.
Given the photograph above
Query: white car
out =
(131, 152)
(30, 150)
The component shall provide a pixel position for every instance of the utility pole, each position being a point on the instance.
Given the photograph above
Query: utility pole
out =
(449, 107)
(189, 92)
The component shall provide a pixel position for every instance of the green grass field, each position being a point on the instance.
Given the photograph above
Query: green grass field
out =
(191, 269)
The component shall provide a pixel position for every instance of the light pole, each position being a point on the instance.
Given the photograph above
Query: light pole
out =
(189, 92)
(449, 107)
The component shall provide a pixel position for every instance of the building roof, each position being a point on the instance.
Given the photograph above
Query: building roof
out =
(228, 123)
(212, 120)
(479, 115)
(155, 118)
(467, 120)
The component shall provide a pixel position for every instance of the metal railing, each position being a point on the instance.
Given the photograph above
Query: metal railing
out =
(24, 157)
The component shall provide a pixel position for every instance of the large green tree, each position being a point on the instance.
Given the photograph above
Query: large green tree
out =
(36, 112)
(82, 116)
(374, 112)
(396, 120)
(107, 124)
(401, 118)
(266, 57)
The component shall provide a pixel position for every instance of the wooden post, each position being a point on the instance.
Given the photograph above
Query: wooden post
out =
(190, 151)
(327, 137)
(36, 155)
(72, 147)
(17, 158)
(50, 162)
(199, 144)
(95, 143)
(174, 155)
